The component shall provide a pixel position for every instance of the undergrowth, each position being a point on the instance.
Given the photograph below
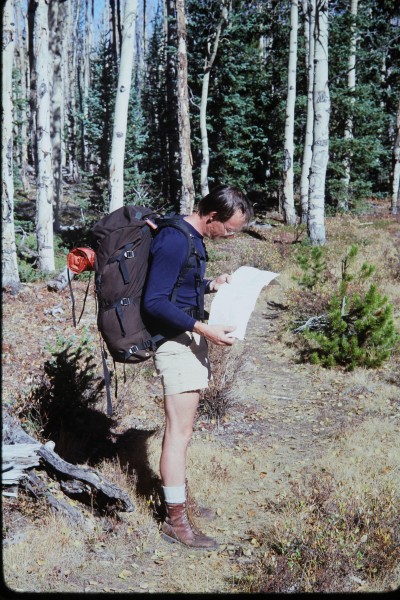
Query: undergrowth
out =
(326, 539)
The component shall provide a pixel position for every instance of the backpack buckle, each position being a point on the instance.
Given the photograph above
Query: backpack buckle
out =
(133, 349)
(129, 254)
(125, 301)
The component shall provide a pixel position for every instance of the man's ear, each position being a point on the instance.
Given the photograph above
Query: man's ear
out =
(212, 216)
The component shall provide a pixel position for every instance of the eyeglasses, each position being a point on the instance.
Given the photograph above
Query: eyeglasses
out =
(227, 232)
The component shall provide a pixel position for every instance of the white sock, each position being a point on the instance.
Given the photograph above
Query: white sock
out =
(175, 495)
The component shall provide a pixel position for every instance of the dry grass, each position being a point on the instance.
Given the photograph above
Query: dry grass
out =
(338, 531)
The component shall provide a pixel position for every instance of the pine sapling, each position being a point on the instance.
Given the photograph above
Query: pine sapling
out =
(359, 330)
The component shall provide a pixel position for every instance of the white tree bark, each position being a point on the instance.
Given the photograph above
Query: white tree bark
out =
(396, 168)
(288, 191)
(44, 196)
(87, 47)
(316, 212)
(309, 26)
(351, 86)
(187, 185)
(116, 181)
(57, 16)
(208, 63)
(10, 276)
(74, 12)
(23, 117)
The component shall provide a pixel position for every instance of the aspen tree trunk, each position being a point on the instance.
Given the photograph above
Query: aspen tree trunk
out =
(9, 266)
(32, 150)
(170, 24)
(351, 86)
(24, 74)
(187, 186)
(309, 26)
(72, 29)
(316, 211)
(288, 191)
(208, 63)
(396, 168)
(44, 197)
(116, 181)
(115, 37)
(86, 76)
(141, 48)
(57, 16)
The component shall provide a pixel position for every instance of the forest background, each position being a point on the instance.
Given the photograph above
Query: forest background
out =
(287, 100)
(106, 103)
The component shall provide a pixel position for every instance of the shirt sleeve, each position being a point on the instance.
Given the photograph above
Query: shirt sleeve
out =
(167, 256)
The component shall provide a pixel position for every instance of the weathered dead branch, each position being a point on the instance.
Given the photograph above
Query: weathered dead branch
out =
(79, 483)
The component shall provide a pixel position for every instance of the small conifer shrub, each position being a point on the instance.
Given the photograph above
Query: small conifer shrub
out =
(358, 329)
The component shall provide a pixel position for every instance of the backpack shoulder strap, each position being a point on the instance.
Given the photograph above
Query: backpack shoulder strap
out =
(180, 224)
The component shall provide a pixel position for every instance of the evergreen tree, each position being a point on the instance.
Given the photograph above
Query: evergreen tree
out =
(373, 103)
(154, 156)
(101, 102)
(360, 329)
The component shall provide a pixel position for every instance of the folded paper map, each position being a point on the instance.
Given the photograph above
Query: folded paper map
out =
(235, 301)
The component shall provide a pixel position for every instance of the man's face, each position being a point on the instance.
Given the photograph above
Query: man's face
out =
(218, 229)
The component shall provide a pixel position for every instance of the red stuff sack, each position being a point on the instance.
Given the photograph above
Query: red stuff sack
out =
(81, 259)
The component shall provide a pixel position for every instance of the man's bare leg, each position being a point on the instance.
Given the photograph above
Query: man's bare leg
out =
(180, 412)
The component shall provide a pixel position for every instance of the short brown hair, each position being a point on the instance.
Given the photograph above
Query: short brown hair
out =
(226, 200)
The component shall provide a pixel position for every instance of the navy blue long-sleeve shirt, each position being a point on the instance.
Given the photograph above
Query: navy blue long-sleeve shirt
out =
(168, 255)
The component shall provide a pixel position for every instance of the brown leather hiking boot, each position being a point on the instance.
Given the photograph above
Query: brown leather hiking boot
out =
(178, 528)
(195, 509)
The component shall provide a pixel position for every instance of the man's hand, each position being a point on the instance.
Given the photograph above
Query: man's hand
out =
(216, 334)
(218, 281)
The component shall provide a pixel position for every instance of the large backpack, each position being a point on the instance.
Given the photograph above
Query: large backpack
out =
(122, 244)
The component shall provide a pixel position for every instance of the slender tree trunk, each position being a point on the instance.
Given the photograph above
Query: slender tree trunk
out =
(23, 118)
(86, 77)
(44, 202)
(115, 25)
(170, 22)
(187, 187)
(10, 276)
(116, 181)
(141, 48)
(309, 26)
(57, 15)
(316, 213)
(208, 63)
(348, 131)
(288, 159)
(32, 150)
(396, 168)
(72, 133)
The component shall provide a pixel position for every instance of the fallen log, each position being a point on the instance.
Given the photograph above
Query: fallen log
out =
(61, 281)
(80, 483)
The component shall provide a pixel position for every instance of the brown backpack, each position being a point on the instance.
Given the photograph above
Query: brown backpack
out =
(122, 244)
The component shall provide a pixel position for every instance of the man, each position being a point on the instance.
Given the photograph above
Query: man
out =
(182, 360)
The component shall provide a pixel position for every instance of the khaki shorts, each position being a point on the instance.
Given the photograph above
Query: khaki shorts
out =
(183, 363)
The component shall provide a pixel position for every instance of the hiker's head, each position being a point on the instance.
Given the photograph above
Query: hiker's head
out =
(228, 209)
(226, 200)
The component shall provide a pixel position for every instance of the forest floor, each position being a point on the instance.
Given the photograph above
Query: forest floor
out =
(288, 429)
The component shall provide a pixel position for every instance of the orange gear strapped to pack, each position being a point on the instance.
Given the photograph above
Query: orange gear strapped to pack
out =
(81, 259)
